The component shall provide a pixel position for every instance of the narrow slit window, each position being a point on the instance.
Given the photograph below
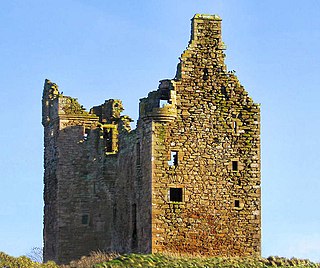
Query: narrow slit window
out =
(235, 126)
(235, 166)
(134, 225)
(237, 203)
(176, 195)
(94, 188)
(205, 74)
(107, 135)
(138, 153)
(86, 133)
(173, 159)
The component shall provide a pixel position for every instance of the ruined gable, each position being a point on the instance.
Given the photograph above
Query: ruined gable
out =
(187, 179)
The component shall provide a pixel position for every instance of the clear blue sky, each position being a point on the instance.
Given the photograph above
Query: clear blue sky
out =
(99, 49)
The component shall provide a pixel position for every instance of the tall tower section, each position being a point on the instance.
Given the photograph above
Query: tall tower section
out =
(83, 175)
(204, 133)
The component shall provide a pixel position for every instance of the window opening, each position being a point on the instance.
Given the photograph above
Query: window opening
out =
(237, 203)
(134, 226)
(114, 214)
(176, 195)
(85, 219)
(86, 133)
(138, 153)
(173, 159)
(107, 135)
(235, 166)
(224, 92)
(163, 103)
(94, 188)
(164, 98)
(235, 126)
(205, 74)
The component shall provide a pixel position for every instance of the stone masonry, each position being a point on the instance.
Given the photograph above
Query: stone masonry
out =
(186, 180)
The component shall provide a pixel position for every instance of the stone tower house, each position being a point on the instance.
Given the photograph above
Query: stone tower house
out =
(187, 179)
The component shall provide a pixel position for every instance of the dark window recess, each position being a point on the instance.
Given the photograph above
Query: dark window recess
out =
(173, 159)
(239, 182)
(224, 92)
(114, 214)
(134, 226)
(237, 203)
(86, 133)
(138, 153)
(235, 126)
(107, 135)
(235, 166)
(85, 219)
(94, 188)
(175, 194)
(205, 74)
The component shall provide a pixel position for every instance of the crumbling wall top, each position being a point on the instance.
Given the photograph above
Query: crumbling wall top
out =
(206, 17)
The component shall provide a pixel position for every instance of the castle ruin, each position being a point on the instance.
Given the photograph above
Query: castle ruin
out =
(186, 180)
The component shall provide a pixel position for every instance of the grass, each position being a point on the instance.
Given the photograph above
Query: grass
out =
(172, 261)
(106, 260)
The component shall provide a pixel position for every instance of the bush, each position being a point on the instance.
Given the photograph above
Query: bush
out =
(7, 261)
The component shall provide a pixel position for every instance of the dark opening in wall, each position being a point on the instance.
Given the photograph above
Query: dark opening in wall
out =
(224, 92)
(235, 166)
(134, 226)
(173, 158)
(176, 195)
(237, 203)
(205, 74)
(86, 133)
(85, 219)
(114, 212)
(94, 188)
(235, 126)
(164, 98)
(107, 135)
(138, 153)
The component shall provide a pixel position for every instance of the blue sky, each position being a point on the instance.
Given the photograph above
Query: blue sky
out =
(99, 49)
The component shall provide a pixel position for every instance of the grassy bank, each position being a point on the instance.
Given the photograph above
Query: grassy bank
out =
(101, 260)
(159, 260)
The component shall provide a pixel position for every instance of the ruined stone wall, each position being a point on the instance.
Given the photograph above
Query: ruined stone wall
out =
(89, 173)
(216, 139)
(187, 179)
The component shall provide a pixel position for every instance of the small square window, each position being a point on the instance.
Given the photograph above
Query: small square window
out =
(235, 166)
(237, 203)
(176, 195)
(173, 159)
(85, 219)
